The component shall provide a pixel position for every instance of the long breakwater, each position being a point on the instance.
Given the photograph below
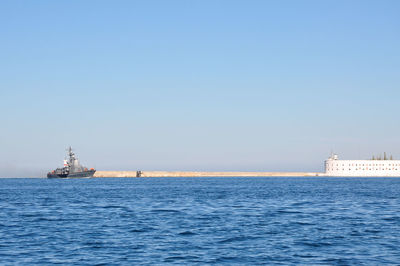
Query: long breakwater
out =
(202, 174)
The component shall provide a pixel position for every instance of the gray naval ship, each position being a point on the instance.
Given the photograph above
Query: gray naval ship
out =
(71, 169)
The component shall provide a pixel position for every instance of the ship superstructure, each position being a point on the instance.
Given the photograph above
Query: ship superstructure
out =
(362, 168)
(71, 169)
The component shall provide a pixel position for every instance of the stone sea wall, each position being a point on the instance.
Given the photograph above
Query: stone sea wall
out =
(201, 174)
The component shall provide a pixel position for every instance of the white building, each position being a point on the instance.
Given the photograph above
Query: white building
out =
(336, 167)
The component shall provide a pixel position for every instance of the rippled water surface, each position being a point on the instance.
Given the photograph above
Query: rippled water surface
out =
(200, 221)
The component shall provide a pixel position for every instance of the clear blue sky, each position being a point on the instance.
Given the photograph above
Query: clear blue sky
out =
(197, 85)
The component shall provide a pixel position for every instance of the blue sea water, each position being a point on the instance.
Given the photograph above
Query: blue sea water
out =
(245, 221)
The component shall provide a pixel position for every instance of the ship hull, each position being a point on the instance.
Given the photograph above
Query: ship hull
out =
(83, 174)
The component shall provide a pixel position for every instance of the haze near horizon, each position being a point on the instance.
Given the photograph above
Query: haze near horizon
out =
(197, 85)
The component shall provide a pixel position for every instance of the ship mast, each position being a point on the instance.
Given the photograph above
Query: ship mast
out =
(71, 156)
